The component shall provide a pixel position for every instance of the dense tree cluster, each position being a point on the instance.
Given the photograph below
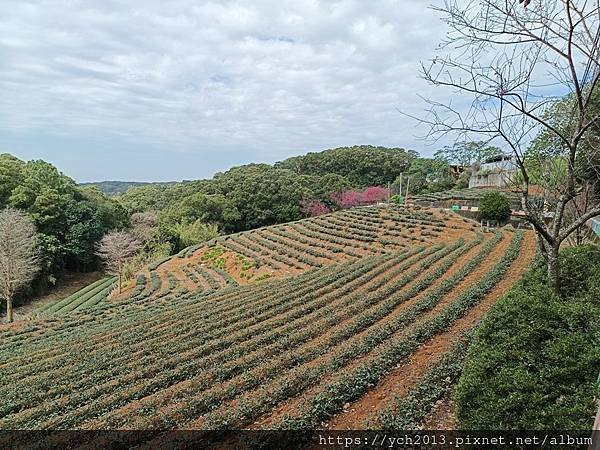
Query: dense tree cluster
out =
(70, 220)
(362, 165)
(112, 188)
(242, 198)
(428, 175)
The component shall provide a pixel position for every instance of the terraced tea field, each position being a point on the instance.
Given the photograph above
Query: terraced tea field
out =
(84, 298)
(290, 249)
(331, 322)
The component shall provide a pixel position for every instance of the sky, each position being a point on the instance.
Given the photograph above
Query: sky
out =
(169, 90)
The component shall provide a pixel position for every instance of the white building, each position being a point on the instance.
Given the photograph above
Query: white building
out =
(497, 171)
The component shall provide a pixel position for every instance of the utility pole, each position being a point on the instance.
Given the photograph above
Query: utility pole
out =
(407, 185)
(401, 183)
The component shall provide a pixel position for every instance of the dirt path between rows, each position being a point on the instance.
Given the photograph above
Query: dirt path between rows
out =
(362, 413)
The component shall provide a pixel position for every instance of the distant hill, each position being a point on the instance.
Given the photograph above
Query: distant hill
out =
(118, 187)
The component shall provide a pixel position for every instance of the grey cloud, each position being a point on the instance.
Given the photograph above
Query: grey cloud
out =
(278, 77)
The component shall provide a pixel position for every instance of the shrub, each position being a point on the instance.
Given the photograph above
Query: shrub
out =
(536, 358)
(374, 194)
(212, 254)
(398, 199)
(494, 206)
(195, 233)
(347, 199)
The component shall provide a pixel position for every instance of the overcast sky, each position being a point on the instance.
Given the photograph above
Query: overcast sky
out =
(180, 89)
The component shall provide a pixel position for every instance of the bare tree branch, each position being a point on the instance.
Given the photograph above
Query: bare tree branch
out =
(496, 49)
(115, 249)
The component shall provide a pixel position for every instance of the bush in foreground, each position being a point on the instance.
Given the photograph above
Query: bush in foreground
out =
(494, 206)
(536, 357)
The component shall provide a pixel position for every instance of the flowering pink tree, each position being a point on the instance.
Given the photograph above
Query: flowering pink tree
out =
(313, 208)
(347, 199)
(375, 194)
(370, 195)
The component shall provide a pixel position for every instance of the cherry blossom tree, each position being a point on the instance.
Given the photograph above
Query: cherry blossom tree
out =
(115, 249)
(314, 208)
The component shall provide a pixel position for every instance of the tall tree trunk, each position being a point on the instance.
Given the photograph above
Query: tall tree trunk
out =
(554, 269)
(9, 308)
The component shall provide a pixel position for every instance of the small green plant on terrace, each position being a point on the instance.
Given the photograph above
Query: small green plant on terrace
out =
(494, 206)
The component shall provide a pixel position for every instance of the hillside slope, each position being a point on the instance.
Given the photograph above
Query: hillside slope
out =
(293, 248)
(357, 306)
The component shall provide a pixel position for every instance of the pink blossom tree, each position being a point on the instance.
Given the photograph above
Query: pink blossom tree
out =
(350, 199)
(347, 199)
(375, 194)
(314, 208)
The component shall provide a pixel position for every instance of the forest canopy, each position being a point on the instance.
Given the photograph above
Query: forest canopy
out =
(69, 219)
(362, 165)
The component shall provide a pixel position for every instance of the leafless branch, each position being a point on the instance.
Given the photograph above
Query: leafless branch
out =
(516, 64)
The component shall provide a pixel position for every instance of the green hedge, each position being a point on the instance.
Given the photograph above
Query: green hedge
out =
(536, 357)
(494, 206)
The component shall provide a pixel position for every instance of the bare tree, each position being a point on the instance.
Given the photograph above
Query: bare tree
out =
(145, 226)
(514, 64)
(115, 249)
(19, 254)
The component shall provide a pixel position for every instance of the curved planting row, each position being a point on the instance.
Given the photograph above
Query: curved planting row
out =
(352, 384)
(313, 234)
(234, 313)
(318, 244)
(282, 250)
(191, 403)
(367, 334)
(272, 316)
(268, 252)
(315, 249)
(13, 340)
(84, 298)
(195, 344)
(306, 332)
